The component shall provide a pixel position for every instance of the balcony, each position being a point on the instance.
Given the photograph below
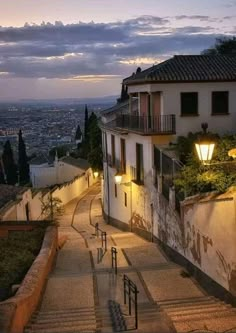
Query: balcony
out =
(144, 125)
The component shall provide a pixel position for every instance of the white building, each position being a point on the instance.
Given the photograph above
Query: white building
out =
(44, 172)
(166, 101)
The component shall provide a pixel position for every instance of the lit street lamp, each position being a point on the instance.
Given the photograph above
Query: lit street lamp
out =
(205, 146)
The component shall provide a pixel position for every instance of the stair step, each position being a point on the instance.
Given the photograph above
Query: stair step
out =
(65, 324)
(198, 308)
(63, 330)
(170, 306)
(63, 315)
(200, 316)
(62, 319)
(79, 310)
(183, 301)
(227, 324)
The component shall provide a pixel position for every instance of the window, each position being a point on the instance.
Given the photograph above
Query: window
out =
(115, 191)
(189, 104)
(113, 151)
(139, 163)
(220, 102)
(125, 199)
(123, 155)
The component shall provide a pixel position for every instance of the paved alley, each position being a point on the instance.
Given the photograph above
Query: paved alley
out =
(84, 294)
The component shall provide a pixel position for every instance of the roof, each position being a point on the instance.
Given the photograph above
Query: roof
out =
(9, 192)
(76, 162)
(41, 159)
(119, 107)
(189, 68)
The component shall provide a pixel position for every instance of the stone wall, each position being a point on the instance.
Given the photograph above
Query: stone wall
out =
(17, 310)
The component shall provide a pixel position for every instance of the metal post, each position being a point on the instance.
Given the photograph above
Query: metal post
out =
(114, 258)
(96, 229)
(136, 307)
(129, 291)
(124, 284)
(104, 239)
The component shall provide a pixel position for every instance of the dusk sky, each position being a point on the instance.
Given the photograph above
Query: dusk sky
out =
(84, 48)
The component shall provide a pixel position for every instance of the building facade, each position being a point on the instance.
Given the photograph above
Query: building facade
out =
(169, 100)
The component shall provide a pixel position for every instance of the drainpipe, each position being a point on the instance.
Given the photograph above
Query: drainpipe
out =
(108, 187)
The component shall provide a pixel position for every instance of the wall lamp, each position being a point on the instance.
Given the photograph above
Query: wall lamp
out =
(205, 148)
(118, 179)
(96, 174)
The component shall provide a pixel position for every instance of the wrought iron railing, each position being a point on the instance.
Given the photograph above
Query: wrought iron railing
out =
(162, 124)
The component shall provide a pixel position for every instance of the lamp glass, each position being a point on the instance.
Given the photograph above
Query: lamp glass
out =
(118, 179)
(205, 151)
(95, 174)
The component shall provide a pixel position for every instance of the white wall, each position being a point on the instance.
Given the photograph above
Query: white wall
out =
(73, 189)
(16, 211)
(44, 176)
(171, 105)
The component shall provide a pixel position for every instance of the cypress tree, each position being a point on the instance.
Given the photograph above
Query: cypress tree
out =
(86, 123)
(10, 167)
(22, 161)
(78, 133)
(2, 178)
(95, 143)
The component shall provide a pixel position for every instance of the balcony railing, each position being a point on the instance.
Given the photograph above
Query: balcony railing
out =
(163, 124)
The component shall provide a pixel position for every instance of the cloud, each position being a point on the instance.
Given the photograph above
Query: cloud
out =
(193, 17)
(97, 51)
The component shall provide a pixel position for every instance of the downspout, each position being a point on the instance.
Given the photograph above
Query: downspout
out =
(108, 187)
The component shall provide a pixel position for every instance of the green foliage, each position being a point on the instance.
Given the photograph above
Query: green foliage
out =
(17, 254)
(226, 45)
(10, 167)
(196, 178)
(52, 207)
(91, 147)
(60, 150)
(86, 123)
(23, 166)
(78, 133)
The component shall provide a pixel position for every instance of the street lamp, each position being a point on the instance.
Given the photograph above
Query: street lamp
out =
(205, 146)
(118, 178)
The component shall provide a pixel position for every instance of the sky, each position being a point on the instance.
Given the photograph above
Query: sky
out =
(84, 48)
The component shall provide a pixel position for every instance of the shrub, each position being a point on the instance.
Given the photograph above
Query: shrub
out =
(18, 252)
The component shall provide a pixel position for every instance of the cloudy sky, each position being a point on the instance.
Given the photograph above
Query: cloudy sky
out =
(83, 48)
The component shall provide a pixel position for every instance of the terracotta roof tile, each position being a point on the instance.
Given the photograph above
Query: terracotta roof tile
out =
(185, 68)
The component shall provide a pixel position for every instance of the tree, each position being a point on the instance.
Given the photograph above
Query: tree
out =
(59, 150)
(51, 207)
(78, 134)
(226, 45)
(95, 143)
(23, 165)
(9, 164)
(2, 177)
(86, 121)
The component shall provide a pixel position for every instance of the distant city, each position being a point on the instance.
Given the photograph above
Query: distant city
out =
(46, 124)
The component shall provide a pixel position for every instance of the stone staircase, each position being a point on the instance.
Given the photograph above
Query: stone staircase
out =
(63, 321)
(200, 314)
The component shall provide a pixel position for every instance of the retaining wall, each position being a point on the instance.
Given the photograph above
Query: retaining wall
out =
(17, 310)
